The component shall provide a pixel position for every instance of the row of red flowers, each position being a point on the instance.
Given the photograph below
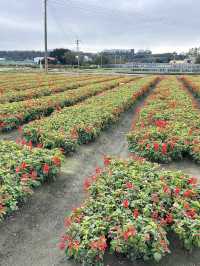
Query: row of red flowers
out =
(168, 126)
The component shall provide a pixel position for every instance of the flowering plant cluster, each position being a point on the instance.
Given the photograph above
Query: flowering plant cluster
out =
(17, 113)
(193, 84)
(131, 206)
(82, 123)
(20, 82)
(57, 86)
(168, 126)
(21, 169)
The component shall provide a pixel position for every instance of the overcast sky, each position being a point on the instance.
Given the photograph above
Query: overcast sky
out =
(159, 25)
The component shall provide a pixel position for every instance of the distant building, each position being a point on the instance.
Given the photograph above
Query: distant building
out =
(51, 60)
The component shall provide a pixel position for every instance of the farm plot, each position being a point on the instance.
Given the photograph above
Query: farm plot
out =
(168, 126)
(131, 207)
(52, 88)
(21, 169)
(17, 113)
(30, 81)
(82, 123)
(193, 84)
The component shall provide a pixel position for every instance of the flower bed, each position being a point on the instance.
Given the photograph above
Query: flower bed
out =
(16, 83)
(168, 126)
(15, 114)
(193, 84)
(21, 169)
(55, 87)
(83, 123)
(131, 206)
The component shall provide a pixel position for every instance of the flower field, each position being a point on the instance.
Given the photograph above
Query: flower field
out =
(82, 123)
(16, 113)
(21, 169)
(18, 82)
(132, 206)
(168, 126)
(52, 88)
(193, 84)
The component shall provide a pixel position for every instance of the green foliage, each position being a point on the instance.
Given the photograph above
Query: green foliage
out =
(131, 206)
(21, 169)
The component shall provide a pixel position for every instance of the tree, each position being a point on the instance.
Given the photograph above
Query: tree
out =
(70, 58)
(59, 54)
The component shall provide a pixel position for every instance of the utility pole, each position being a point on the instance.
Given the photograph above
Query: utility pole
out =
(77, 49)
(101, 60)
(45, 37)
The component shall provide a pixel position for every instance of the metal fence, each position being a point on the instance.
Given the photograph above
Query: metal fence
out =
(161, 68)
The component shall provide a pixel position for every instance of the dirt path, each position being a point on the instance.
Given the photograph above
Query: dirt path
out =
(30, 236)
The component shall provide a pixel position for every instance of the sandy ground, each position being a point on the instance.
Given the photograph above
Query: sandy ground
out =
(30, 236)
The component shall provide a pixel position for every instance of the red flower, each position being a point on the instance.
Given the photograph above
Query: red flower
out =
(23, 165)
(62, 245)
(177, 190)
(169, 218)
(126, 203)
(131, 231)
(164, 148)
(98, 170)
(30, 144)
(45, 168)
(107, 161)
(56, 160)
(166, 189)
(191, 213)
(34, 175)
(188, 193)
(68, 221)
(161, 123)
(76, 245)
(99, 244)
(86, 184)
(17, 170)
(136, 213)
(192, 181)
(156, 146)
(129, 185)
(186, 205)
(39, 145)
